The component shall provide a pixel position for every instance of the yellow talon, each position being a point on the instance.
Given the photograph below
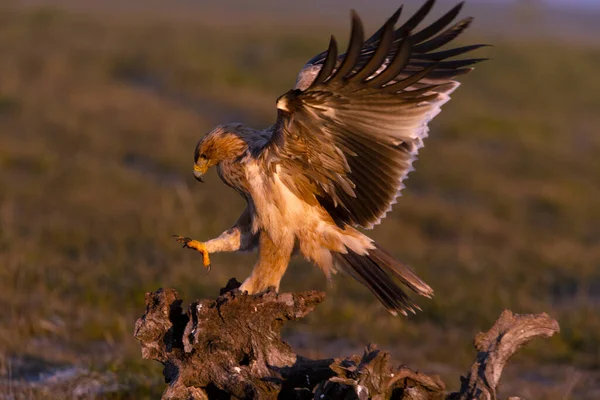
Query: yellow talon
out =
(196, 245)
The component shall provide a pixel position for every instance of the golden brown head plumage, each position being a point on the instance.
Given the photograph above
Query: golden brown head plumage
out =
(225, 142)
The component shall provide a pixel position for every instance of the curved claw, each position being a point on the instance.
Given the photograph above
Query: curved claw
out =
(183, 239)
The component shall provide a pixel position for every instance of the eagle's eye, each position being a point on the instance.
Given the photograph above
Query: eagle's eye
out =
(203, 156)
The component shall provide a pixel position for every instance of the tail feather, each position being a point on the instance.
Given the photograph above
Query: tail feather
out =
(401, 271)
(377, 270)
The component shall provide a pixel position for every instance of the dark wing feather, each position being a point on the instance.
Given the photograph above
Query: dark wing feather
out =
(422, 42)
(347, 135)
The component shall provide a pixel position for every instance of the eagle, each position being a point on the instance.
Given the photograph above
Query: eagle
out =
(345, 138)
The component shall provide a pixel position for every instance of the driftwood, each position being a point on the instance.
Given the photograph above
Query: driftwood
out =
(231, 347)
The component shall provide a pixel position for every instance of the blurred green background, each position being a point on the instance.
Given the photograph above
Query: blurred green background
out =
(102, 103)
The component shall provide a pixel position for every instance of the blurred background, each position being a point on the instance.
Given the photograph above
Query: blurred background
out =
(102, 103)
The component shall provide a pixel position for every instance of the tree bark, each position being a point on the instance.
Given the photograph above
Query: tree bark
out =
(496, 346)
(231, 347)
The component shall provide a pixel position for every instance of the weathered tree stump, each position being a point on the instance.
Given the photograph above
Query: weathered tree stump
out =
(231, 347)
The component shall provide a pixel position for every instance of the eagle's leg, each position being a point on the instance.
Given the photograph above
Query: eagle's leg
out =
(272, 262)
(237, 238)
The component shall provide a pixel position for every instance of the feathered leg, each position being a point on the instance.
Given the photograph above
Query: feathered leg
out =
(272, 262)
(238, 238)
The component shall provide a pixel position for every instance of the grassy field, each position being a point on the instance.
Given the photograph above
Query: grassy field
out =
(98, 122)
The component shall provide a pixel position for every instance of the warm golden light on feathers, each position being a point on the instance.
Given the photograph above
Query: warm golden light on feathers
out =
(344, 140)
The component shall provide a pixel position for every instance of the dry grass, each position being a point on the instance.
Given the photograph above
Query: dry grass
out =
(99, 118)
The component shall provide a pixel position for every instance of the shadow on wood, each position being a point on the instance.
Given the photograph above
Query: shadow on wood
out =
(231, 347)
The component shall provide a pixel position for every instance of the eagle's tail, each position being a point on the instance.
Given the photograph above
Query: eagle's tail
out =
(377, 270)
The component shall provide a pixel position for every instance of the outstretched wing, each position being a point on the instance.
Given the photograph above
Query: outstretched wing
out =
(348, 134)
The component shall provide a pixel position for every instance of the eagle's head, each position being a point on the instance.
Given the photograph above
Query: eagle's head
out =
(225, 142)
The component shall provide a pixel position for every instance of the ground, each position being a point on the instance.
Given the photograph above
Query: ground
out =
(99, 116)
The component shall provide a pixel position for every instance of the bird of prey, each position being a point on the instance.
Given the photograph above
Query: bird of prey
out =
(345, 138)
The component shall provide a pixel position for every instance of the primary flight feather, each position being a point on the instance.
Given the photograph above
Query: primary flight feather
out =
(345, 138)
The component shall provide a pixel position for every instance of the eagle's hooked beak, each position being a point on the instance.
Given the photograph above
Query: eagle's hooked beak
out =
(200, 170)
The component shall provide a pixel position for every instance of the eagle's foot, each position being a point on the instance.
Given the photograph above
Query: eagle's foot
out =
(256, 286)
(195, 245)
